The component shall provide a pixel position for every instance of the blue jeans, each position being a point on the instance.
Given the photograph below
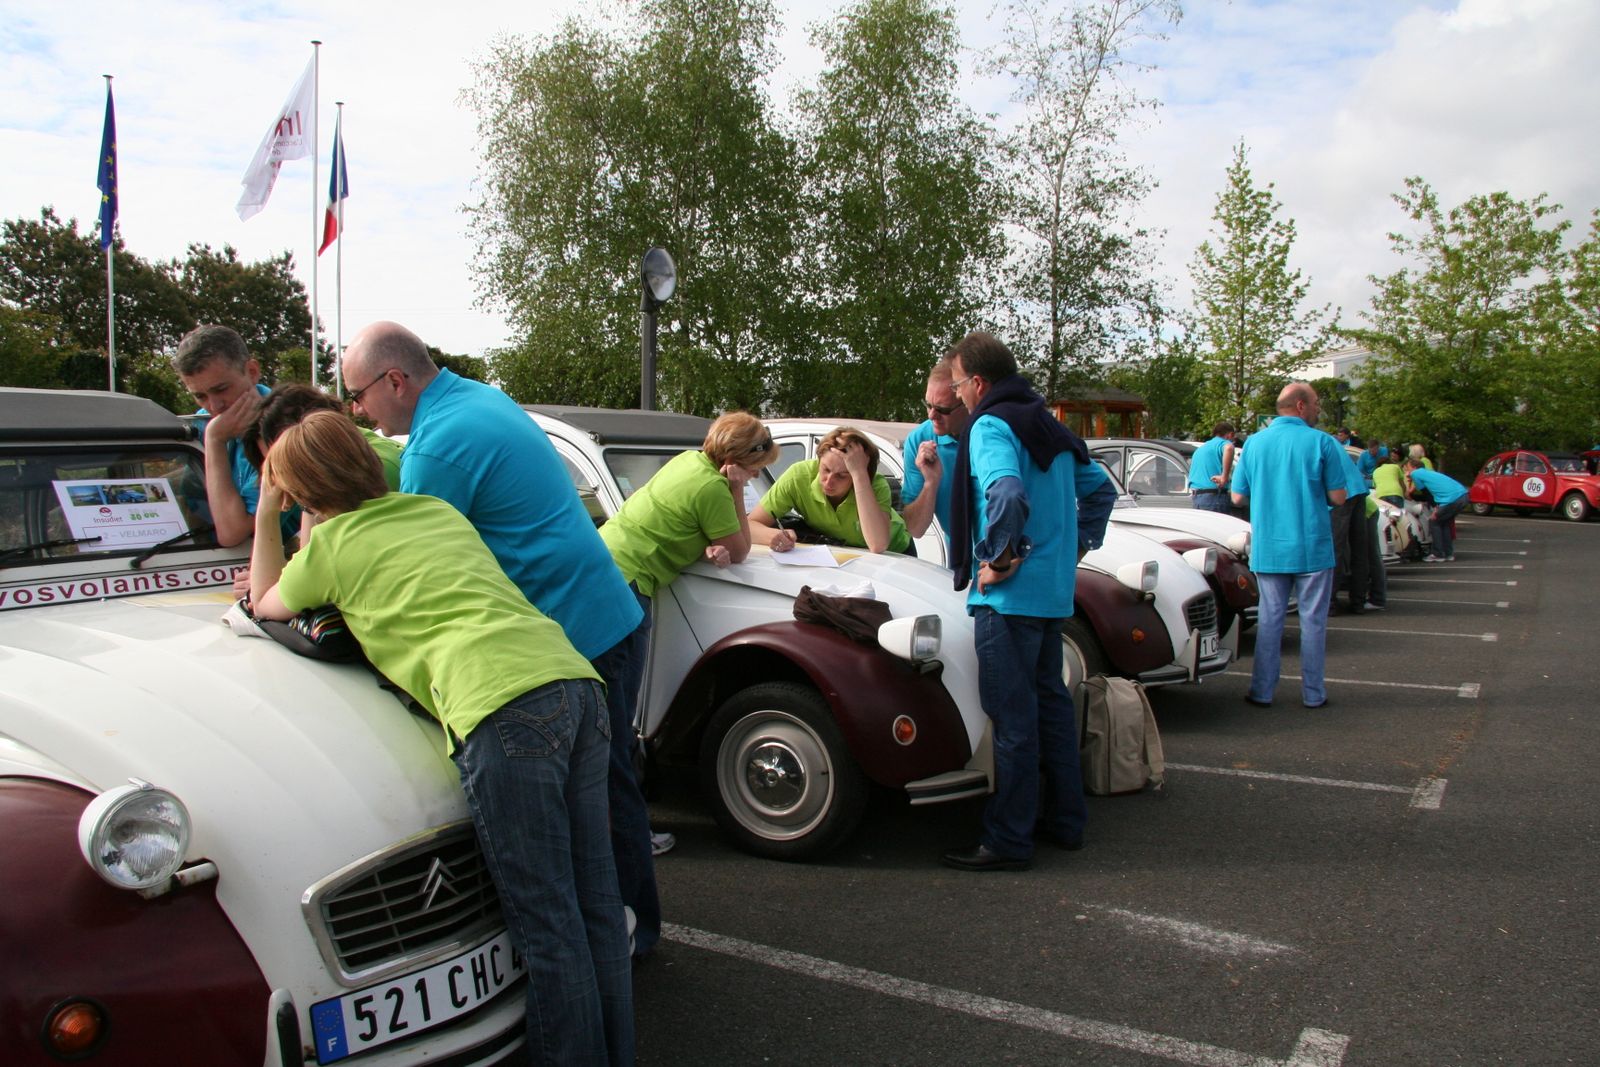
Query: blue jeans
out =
(534, 773)
(1313, 591)
(1020, 686)
(1221, 502)
(1439, 527)
(621, 667)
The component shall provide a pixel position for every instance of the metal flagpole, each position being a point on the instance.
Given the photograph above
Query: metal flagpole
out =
(105, 239)
(316, 146)
(338, 252)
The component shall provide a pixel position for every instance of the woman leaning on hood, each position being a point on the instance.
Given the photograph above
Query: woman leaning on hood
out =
(839, 494)
(692, 508)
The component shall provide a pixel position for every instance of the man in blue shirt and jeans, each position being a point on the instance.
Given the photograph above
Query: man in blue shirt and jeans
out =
(1026, 498)
(1449, 497)
(1289, 476)
(1210, 468)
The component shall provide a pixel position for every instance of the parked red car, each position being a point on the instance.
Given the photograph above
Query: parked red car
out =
(1526, 481)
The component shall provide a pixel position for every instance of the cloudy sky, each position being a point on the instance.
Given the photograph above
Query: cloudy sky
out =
(1337, 100)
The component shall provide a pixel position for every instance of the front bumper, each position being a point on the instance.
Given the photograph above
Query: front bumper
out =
(1191, 665)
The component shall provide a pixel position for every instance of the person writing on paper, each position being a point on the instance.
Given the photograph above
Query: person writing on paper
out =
(840, 494)
(692, 508)
(524, 713)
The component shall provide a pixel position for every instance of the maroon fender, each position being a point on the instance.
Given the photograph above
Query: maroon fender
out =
(1128, 626)
(1233, 583)
(866, 687)
(176, 983)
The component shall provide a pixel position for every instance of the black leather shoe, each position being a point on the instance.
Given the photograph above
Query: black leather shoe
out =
(1258, 703)
(980, 858)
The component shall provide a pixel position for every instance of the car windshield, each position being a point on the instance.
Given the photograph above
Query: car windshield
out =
(100, 500)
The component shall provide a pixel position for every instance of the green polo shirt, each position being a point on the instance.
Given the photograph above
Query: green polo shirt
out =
(799, 490)
(669, 521)
(431, 607)
(387, 449)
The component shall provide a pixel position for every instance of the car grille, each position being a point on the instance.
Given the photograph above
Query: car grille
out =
(429, 896)
(1201, 612)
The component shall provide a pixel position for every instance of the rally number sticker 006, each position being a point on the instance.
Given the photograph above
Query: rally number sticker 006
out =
(405, 1007)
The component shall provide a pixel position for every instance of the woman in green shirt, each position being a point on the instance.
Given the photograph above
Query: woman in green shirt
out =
(840, 494)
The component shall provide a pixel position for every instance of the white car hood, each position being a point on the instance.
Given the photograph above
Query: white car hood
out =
(1195, 522)
(290, 769)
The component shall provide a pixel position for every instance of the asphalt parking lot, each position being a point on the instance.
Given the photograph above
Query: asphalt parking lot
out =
(1404, 877)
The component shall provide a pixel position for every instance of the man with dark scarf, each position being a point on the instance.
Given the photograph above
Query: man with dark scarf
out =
(1026, 497)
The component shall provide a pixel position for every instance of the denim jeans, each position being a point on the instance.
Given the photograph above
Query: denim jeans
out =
(534, 773)
(1439, 523)
(621, 667)
(1020, 686)
(1208, 501)
(1313, 591)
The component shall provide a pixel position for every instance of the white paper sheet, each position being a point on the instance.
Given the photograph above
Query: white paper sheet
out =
(806, 556)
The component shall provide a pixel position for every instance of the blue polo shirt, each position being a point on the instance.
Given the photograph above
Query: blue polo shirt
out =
(1354, 483)
(1445, 489)
(471, 445)
(1367, 464)
(1044, 586)
(1206, 463)
(1287, 472)
(912, 482)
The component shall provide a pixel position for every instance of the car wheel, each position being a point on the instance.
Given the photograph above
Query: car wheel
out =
(781, 780)
(1481, 509)
(1574, 507)
(1081, 656)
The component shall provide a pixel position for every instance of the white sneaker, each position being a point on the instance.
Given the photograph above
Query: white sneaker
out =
(1433, 559)
(662, 843)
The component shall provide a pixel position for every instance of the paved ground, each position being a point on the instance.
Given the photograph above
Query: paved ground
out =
(1403, 878)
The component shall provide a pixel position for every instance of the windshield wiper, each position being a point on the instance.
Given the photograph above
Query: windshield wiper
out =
(203, 528)
(61, 542)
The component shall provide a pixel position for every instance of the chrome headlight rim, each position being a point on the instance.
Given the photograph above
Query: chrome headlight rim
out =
(138, 808)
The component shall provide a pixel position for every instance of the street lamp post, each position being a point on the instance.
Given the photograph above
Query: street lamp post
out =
(658, 279)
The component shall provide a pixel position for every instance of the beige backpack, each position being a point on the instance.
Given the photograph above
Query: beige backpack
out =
(1120, 746)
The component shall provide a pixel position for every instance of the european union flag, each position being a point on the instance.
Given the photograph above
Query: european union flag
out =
(108, 174)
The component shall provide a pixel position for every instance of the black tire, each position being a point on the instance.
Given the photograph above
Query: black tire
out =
(1481, 509)
(780, 779)
(1081, 656)
(1575, 507)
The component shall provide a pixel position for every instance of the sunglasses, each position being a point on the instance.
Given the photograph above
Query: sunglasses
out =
(942, 409)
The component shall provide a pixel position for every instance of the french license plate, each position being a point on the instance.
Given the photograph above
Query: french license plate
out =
(1208, 645)
(406, 1006)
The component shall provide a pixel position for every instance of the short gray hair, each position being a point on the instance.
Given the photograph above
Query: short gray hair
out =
(205, 344)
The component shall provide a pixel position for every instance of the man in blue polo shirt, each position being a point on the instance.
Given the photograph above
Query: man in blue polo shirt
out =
(1449, 497)
(1211, 468)
(1289, 476)
(474, 447)
(929, 455)
(216, 369)
(1019, 477)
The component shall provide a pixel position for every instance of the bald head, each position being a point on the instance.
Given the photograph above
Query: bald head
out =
(386, 368)
(1293, 394)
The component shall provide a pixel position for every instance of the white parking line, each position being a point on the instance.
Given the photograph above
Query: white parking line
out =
(1487, 567)
(1426, 795)
(1419, 633)
(1506, 540)
(1497, 552)
(1313, 1047)
(1196, 936)
(1466, 690)
(1444, 581)
(1469, 603)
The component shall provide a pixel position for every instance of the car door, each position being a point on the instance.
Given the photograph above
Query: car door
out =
(1156, 477)
(1533, 484)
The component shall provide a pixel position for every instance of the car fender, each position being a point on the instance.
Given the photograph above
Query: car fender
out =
(1233, 582)
(175, 980)
(1126, 623)
(866, 688)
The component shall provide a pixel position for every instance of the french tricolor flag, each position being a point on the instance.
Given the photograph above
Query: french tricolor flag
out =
(338, 189)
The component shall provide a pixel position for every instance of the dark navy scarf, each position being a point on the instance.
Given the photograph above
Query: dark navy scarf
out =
(1013, 401)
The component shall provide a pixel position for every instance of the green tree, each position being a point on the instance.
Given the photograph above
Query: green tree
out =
(1476, 344)
(901, 206)
(1078, 279)
(1170, 381)
(1248, 321)
(263, 301)
(599, 146)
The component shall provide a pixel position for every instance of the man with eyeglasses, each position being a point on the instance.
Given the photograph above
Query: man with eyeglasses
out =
(472, 446)
(929, 455)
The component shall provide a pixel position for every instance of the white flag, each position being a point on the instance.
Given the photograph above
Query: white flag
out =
(289, 137)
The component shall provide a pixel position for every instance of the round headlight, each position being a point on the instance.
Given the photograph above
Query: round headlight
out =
(134, 836)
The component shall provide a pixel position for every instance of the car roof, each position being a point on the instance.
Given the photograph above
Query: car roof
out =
(629, 426)
(85, 415)
(896, 432)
